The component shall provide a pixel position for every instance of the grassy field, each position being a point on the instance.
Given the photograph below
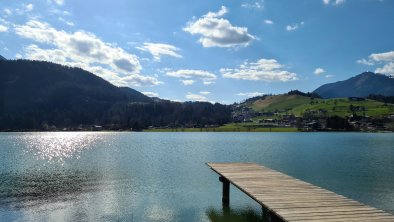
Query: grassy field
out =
(279, 102)
(297, 105)
(341, 107)
(233, 127)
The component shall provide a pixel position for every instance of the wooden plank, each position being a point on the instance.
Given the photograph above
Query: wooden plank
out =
(291, 199)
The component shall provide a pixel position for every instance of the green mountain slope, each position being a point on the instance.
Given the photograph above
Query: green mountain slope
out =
(279, 103)
(345, 107)
(299, 105)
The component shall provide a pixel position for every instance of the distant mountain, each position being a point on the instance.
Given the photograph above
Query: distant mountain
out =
(361, 85)
(38, 94)
(2, 58)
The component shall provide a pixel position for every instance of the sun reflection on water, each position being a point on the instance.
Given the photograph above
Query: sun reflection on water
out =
(59, 146)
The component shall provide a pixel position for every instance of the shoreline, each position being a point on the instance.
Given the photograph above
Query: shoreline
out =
(205, 130)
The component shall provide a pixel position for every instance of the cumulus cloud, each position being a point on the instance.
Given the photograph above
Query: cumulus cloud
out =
(205, 93)
(159, 49)
(385, 60)
(319, 71)
(250, 94)
(85, 50)
(294, 26)
(3, 28)
(218, 32)
(269, 22)
(268, 70)
(191, 74)
(388, 68)
(196, 97)
(255, 5)
(382, 57)
(151, 94)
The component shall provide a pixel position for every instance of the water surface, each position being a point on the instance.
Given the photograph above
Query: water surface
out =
(83, 176)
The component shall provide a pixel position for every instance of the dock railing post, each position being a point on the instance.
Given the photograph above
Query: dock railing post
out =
(226, 190)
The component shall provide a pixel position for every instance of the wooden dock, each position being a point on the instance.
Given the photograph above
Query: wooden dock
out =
(285, 198)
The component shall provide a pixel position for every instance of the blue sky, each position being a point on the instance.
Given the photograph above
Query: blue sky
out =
(219, 51)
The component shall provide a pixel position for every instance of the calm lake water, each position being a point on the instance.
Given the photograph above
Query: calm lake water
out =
(83, 176)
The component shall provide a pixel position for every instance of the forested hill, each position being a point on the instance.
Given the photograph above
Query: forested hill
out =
(38, 95)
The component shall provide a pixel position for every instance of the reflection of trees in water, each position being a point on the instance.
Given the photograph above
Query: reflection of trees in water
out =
(226, 214)
(35, 188)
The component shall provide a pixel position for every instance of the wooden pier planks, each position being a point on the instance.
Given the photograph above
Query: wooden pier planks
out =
(291, 199)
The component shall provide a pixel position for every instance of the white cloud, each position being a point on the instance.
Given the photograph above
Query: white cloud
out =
(250, 94)
(196, 97)
(21, 10)
(159, 49)
(269, 22)
(386, 59)
(382, 57)
(59, 12)
(294, 27)
(85, 50)
(28, 7)
(3, 28)
(187, 82)
(255, 5)
(7, 11)
(59, 2)
(151, 94)
(218, 32)
(319, 71)
(268, 70)
(223, 10)
(190, 74)
(386, 69)
(336, 2)
(365, 62)
(205, 93)
(69, 23)
(207, 82)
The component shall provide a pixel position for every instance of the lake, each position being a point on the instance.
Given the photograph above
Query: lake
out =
(128, 176)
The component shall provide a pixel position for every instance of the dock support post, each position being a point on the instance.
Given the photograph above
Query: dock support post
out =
(269, 216)
(226, 190)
